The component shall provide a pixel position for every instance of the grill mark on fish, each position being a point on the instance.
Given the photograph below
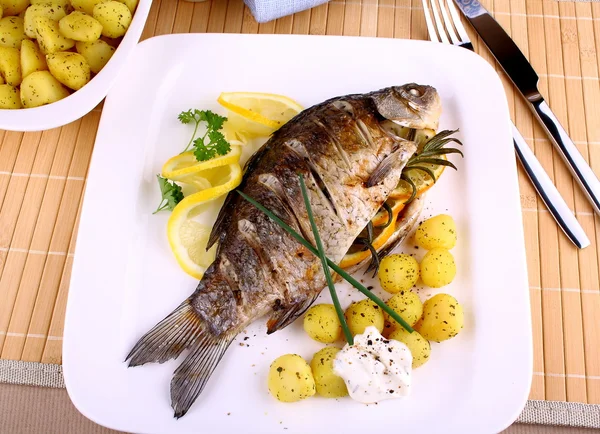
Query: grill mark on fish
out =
(337, 144)
(365, 134)
(262, 269)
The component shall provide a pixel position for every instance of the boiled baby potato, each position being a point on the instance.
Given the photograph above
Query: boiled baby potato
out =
(9, 97)
(1, 79)
(438, 268)
(97, 53)
(131, 4)
(48, 36)
(40, 88)
(115, 18)
(443, 318)
(80, 27)
(86, 6)
(12, 32)
(322, 323)
(437, 232)
(1, 11)
(419, 347)
(408, 305)
(398, 272)
(290, 379)
(363, 314)
(10, 65)
(13, 7)
(54, 11)
(32, 58)
(65, 4)
(327, 382)
(71, 69)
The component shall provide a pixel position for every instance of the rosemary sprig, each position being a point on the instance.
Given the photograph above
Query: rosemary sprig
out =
(321, 251)
(351, 280)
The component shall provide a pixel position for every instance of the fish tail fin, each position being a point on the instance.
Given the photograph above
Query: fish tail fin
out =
(182, 329)
(192, 375)
(169, 338)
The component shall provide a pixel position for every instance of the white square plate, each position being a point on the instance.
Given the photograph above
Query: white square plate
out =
(125, 279)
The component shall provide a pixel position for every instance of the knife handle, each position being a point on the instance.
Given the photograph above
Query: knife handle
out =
(579, 168)
(548, 192)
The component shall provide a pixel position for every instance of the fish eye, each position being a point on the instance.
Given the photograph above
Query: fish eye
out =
(414, 91)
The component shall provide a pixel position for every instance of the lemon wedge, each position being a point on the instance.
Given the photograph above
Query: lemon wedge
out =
(256, 113)
(191, 221)
(184, 165)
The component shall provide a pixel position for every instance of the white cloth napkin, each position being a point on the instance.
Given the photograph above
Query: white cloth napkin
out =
(267, 10)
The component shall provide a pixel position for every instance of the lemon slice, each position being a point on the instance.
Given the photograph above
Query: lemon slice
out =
(191, 221)
(266, 109)
(182, 166)
(355, 257)
(420, 178)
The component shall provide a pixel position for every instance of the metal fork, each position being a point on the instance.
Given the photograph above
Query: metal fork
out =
(447, 28)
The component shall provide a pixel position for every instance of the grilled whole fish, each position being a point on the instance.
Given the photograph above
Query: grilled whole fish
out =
(350, 163)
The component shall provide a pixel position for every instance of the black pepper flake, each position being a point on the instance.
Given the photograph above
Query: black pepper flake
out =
(246, 338)
(369, 342)
(280, 369)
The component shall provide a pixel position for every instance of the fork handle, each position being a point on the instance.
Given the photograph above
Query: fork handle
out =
(581, 171)
(549, 193)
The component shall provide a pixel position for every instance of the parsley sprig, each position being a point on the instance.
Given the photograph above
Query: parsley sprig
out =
(213, 142)
(171, 194)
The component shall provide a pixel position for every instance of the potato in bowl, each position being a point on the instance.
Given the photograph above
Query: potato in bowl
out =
(58, 58)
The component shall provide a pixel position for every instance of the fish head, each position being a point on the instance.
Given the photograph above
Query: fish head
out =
(411, 105)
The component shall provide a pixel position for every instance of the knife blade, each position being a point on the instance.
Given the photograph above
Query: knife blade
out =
(522, 74)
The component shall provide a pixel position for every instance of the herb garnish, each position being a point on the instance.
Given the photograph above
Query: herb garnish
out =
(171, 194)
(213, 142)
(351, 280)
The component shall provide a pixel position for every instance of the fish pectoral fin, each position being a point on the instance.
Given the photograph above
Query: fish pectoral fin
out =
(167, 339)
(393, 161)
(286, 315)
(192, 375)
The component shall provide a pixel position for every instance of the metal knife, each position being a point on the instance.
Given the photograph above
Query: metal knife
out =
(522, 74)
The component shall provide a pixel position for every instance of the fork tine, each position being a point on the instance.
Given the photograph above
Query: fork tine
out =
(430, 28)
(462, 32)
(448, 22)
(439, 24)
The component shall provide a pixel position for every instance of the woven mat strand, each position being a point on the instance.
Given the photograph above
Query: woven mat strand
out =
(42, 179)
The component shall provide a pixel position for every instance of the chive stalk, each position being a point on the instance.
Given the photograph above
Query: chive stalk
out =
(351, 280)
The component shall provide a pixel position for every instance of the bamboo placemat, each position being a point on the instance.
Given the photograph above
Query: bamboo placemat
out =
(42, 179)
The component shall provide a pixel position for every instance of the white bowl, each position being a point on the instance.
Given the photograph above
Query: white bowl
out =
(81, 102)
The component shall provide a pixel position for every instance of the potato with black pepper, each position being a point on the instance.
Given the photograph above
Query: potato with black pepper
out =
(13, 7)
(80, 27)
(40, 88)
(327, 382)
(443, 318)
(438, 268)
(419, 347)
(10, 65)
(114, 16)
(398, 272)
(322, 323)
(70, 69)
(52, 10)
(408, 305)
(9, 97)
(86, 6)
(49, 37)
(12, 32)
(97, 53)
(290, 379)
(363, 314)
(32, 58)
(437, 232)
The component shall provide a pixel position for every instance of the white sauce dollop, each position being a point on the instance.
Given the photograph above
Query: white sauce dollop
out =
(374, 368)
